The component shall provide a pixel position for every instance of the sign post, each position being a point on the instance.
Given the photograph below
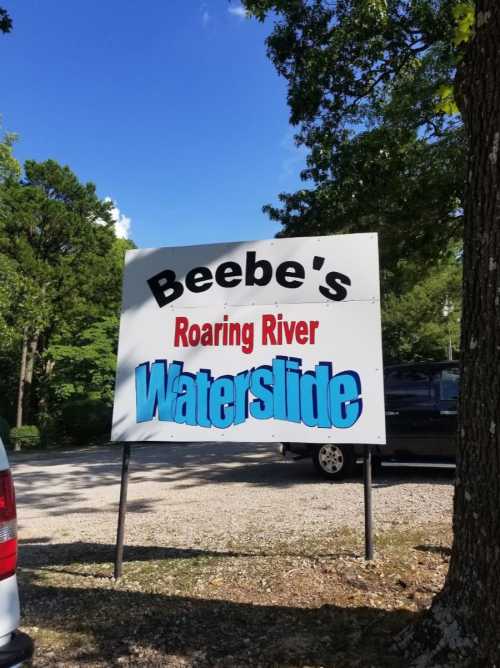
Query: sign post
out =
(265, 341)
(122, 509)
(367, 480)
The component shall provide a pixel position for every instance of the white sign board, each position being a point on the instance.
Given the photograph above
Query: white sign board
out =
(265, 341)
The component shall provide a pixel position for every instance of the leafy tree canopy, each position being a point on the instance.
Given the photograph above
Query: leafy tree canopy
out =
(9, 293)
(51, 221)
(62, 266)
(367, 85)
(415, 323)
(85, 367)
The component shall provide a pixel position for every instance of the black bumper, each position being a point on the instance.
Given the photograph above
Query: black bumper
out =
(300, 449)
(19, 649)
(307, 449)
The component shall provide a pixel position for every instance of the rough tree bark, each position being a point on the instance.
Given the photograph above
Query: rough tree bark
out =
(29, 351)
(462, 628)
(22, 378)
(28, 379)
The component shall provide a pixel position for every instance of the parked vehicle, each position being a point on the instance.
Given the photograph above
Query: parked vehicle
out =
(421, 422)
(15, 647)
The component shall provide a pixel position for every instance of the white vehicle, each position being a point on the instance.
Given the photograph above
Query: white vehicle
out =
(15, 646)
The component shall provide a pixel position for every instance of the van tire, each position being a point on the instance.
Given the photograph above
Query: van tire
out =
(334, 462)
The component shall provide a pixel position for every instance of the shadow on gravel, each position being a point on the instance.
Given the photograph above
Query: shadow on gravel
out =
(113, 626)
(434, 549)
(61, 484)
(388, 477)
(40, 553)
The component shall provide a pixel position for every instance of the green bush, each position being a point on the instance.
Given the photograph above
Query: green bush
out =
(25, 436)
(4, 430)
(87, 420)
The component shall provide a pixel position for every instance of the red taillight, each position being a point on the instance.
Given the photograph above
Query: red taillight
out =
(8, 526)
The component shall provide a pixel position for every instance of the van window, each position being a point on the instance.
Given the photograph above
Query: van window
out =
(408, 385)
(448, 385)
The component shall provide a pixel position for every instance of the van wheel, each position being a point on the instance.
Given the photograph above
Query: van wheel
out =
(334, 461)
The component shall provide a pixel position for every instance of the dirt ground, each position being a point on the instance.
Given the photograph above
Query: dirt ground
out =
(233, 557)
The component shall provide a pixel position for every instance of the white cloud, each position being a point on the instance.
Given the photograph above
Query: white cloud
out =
(122, 222)
(206, 17)
(239, 10)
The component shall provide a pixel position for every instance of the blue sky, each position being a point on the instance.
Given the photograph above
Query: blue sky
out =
(170, 107)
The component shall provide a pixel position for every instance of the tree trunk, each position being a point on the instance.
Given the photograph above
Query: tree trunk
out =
(28, 380)
(43, 401)
(462, 627)
(22, 380)
(29, 351)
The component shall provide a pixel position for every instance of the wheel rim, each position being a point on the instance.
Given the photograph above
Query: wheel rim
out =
(331, 458)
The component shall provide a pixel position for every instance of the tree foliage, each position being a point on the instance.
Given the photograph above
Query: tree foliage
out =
(366, 80)
(9, 166)
(370, 90)
(61, 266)
(416, 324)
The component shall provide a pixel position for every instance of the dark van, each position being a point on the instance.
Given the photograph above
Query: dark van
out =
(421, 422)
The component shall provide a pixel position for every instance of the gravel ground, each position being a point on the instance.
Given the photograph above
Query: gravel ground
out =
(208, 494)
(234, 558)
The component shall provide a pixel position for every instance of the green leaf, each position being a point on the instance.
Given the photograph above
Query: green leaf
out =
(446, 103)
(464, 15)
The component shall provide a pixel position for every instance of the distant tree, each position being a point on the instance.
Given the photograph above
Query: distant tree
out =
(9, 166)
(415, 322)
(84, 357)
(85, 367)
(58, 233)
(9, 295)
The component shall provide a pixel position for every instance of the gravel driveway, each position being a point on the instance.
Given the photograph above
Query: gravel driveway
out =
(207, 494)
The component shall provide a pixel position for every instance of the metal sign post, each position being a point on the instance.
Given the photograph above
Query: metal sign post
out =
(122, 511)
(367, 479)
